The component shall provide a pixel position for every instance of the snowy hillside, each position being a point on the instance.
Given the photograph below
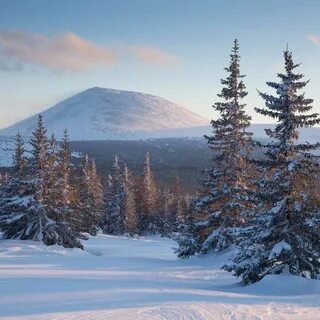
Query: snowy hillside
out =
(130, 279)
(108, 114)
(100, 113)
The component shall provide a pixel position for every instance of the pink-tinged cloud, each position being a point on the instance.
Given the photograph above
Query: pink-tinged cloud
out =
(152, 55)
(314, 38)
(64, 52)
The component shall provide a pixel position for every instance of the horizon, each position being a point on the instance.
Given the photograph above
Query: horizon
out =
(130, 91)
(180, 57)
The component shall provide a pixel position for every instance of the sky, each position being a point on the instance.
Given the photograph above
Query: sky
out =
(176, 49)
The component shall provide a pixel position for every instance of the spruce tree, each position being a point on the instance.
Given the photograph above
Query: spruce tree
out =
(51, 176)
(97, 190)
(114, 217)
(130, 211)
(166, 223)
(218, 207)
(187, 237)
(69, 183)
(91, 199)
(175, 208)
(63, 192)
(25, 215)
(151, 207)
(180, 203)
(39, 164)
(14, 192)
(57, 210)
(285, 235)
(29, 201)
(19, 159)
(64, 167)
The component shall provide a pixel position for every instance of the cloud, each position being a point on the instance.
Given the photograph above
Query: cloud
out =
(67, 52)
(64, 52)
(152, 55)
(10, 65)
(314, 38)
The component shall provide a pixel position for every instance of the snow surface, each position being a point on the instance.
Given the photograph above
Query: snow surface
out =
(135, 279)
(100, 114)
(278, 248)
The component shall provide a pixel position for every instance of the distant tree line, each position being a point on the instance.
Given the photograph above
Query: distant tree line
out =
(47, 198)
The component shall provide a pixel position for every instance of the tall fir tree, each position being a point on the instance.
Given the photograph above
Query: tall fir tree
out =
(64, 193)
(64, 168)
(180, 203)
(39, 164)
(187, 237)
(97, 190)
(166, 224)
(19, 158)
(175, 208)
(114, 216)
(91, 199)
(51, 196)
(130, 211)
(285, 235)
(220, 203)
(67, 181)
(151, 207)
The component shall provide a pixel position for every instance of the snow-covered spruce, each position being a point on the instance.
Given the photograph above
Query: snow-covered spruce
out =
(175, 208)
(114, 213)
(89, 215)
(131, 215)
(151, 209)
(27, 204)
(218, 207)
(66, 200)
(187, 236)
(18, 158)
(285, 234)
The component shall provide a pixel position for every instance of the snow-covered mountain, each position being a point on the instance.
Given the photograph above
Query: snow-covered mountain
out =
(103, 114)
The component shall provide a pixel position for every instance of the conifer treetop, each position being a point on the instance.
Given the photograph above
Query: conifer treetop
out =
(289, 107)
(229, 128)
(19, 160)
(218, 206)
(235, 88)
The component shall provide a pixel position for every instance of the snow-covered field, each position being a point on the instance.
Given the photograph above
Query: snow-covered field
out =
(121, 278)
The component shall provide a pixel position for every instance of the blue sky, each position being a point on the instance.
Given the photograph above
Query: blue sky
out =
(50, 50)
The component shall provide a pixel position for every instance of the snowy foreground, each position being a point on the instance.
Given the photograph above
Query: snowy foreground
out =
(120, 278)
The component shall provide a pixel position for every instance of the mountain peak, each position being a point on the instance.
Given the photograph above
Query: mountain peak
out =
(102, 113)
